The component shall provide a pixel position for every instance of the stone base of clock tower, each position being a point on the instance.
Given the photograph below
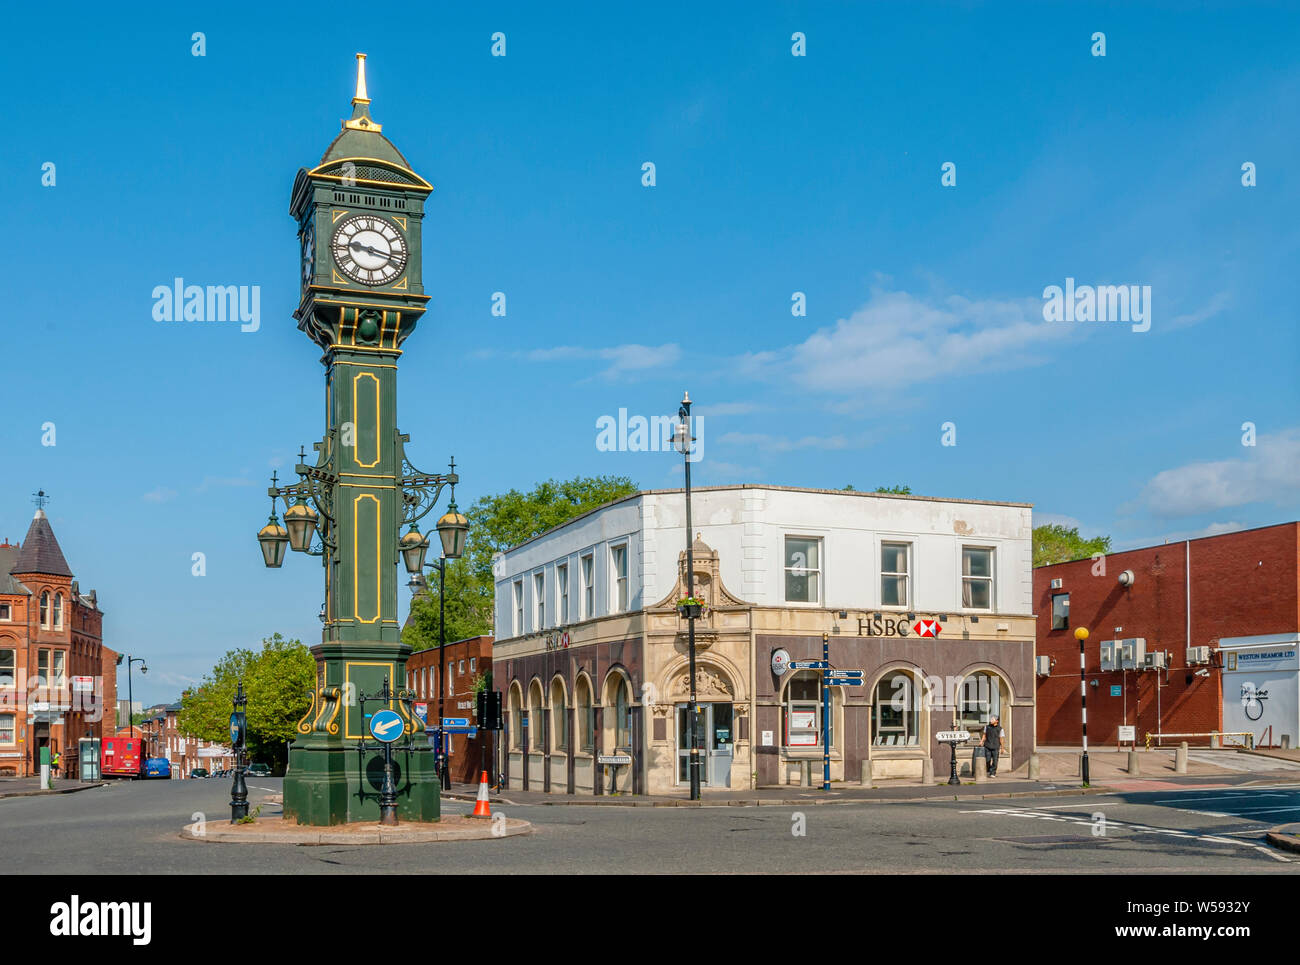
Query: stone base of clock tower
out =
(336, 785)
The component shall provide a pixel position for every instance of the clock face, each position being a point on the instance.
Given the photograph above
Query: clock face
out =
(308, 253)
(369, 249)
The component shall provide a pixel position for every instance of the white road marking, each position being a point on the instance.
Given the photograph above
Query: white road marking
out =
(1130, 826)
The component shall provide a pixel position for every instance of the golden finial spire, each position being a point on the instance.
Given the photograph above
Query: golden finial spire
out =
(361, 103)
(362, 97)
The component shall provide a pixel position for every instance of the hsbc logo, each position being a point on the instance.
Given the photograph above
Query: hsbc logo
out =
(881, 625)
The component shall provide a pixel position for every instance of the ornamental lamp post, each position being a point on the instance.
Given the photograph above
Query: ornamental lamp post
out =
(1081, 635)
(130, 697)
(682, 439)
(452, 527)
(414, 545)
(301, 521)
(273, 537)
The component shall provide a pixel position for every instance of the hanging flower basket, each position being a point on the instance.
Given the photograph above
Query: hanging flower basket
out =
(692, 607)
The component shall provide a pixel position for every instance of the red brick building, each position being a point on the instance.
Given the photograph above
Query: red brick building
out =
(1238, 595)
(58, 682)
(163, 738)
(469, 664)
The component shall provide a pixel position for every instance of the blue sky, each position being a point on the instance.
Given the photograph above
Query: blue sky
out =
(775, 174)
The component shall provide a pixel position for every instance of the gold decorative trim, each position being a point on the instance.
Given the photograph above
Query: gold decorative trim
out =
(356, 555)
(421, 183)
(356, 420)
(347, 679)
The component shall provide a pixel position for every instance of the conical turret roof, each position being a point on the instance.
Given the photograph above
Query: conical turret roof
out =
(40, 551)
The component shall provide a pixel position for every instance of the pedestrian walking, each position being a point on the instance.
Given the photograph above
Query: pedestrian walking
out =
(55, 759)
(991, 741)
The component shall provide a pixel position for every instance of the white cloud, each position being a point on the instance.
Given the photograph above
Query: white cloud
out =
(622, 359)
(1214, 529)
(160, 495)
(1265, 473)
(902, 339)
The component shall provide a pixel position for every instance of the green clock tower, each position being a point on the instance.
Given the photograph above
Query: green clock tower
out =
(359, 213)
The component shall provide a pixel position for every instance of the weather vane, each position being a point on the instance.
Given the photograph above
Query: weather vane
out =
(40, 499)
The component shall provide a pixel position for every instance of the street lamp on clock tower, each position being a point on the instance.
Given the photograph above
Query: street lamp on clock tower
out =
(359, 214)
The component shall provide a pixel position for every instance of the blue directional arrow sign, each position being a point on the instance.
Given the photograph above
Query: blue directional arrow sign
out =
(808, 664)
(386, 726)
(845, 674)
(455, 722)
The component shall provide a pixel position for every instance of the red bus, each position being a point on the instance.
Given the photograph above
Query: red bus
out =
(123, 757)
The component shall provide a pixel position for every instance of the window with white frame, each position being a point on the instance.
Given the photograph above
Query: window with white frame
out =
(42, 667)
(977, 578)
(58, 611)
(1060, 611)
(895, 568)
(8, 723)
(8, 666)
(6, 613)
(588, 586)
(618, 566)
(45, 609)
(802, 569)
(562, 590)
(539, 599)
(473, 662)
(519, 607)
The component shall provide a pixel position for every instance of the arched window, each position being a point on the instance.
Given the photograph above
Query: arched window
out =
(516, 718)
(622, 719)
(895, 711)
(981, 698)
(45, 609)
(536, 721)
(586, 715)
(58, 611)
(559, 715)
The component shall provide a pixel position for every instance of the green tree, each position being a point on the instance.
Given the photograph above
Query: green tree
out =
(495, 524)
(894, 490)
(1054, 543)
(277, 681)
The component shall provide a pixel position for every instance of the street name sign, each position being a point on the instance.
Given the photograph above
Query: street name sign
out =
(946, 736)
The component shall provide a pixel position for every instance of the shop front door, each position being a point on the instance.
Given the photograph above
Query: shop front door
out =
(713, 728)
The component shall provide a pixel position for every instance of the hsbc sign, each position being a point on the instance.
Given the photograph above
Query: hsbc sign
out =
(882, 625)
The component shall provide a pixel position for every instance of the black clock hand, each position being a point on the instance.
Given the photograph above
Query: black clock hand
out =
(357, 246)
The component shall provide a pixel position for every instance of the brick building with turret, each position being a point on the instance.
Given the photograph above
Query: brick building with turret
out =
(58, 682)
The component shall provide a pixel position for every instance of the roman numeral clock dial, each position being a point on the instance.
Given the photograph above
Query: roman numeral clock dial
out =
(369, 249)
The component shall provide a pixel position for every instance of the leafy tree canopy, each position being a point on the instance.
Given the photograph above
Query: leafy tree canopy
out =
(1054, 543)
(277, 681)
(495, 524)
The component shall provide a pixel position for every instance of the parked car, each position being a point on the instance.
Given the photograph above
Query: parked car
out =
(257, 770)
(157, 767)
(198, 772)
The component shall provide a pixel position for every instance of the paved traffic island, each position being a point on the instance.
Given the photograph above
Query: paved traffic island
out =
(1286, 837)
(280, 831)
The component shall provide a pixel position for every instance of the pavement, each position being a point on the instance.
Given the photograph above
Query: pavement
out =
(1108, 771)
(24, 786)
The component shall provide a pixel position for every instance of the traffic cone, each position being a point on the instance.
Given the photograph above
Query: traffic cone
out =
(481, 809)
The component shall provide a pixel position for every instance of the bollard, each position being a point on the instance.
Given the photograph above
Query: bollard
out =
(1286, 742)
(1133, 767)
(1180, 758)
(1078, 768)
(981, 768)
(927, 771)
(866, 774)
(805, 775)
(1033, 767)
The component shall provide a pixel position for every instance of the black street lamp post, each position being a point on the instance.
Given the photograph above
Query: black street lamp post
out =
(130, 695)
(452, 528)
(239, 741)
(388, 788)
(683, 436)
